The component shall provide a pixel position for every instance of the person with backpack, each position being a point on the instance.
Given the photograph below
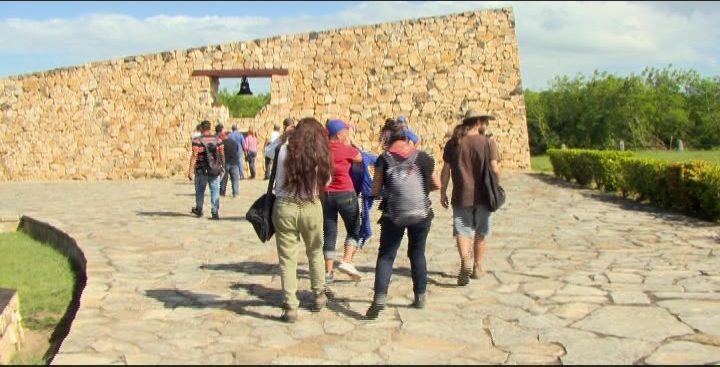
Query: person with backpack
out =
(406, 176)
(303, 169)
(207, 164)
(465, 156)
(341, 198)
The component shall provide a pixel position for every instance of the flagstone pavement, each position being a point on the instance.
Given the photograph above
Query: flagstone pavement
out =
(573, 276)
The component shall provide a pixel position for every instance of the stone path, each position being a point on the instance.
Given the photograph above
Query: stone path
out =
(573, 277)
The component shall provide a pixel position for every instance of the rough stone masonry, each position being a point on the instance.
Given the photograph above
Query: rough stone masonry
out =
(132, 118)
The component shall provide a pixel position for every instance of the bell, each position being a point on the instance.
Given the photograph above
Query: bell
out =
(244, 87)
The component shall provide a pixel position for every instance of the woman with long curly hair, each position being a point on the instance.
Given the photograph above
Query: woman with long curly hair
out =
(298, 211)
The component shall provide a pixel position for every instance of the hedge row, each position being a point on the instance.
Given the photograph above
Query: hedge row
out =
(691, 187)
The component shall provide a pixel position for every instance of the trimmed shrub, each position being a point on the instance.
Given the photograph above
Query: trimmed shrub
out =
(691, 187)
(588, 166)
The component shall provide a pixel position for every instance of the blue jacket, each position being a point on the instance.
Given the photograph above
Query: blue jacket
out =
(363, 182)
(240, 140)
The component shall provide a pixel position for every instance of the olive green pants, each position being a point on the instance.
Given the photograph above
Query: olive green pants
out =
(295, 219)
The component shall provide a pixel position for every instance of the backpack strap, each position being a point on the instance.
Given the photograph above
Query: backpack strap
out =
(273, 172)
(413, 157)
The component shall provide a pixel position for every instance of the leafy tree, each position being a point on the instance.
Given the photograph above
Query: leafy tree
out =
(650, 110)
(242, 105)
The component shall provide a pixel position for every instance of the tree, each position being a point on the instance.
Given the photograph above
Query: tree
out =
(650, 110)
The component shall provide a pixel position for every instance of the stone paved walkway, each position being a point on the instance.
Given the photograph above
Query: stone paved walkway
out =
(573, 277)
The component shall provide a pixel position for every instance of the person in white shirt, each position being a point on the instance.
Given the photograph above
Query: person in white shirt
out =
(297, 213)
(274, 136)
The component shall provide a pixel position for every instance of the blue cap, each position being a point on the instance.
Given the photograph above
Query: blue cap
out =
(402, 119)
(411, 135)
(334, 126)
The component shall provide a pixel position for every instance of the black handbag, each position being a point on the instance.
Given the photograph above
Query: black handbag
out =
(260, 212)
(495, 194)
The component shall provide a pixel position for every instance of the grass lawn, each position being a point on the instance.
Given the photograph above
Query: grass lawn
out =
(541, 163)
(702, 155)
(44, 281)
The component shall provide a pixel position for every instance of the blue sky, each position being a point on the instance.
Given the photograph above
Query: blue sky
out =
(554, 37)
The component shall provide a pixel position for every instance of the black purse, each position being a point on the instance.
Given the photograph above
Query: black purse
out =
(495, 194)
(260, 212)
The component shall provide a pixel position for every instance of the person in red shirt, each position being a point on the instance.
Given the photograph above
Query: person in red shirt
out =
(340, 198)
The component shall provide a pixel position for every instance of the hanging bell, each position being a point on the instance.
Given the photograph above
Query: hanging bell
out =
(244, 87)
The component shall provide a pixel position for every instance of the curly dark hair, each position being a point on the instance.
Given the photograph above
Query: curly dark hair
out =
(309, 164)
(392, 131)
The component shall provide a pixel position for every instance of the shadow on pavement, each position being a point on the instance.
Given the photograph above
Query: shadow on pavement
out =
(624, 203)
(165, 214)
(404, 271)
(233, 219)
(336, 304)
(173, 298)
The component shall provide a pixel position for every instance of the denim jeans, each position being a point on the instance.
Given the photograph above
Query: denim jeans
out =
(241, 160)
(201, 181)
(346, 204)
(232, 171)
(268, 167)
(251, 163)
(391, 237)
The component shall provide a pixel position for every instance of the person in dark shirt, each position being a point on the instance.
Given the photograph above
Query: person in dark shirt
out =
(464, 156)
(400, 149)
(232, 165)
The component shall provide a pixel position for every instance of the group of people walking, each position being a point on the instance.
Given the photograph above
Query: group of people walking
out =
(218, 158)
(314, 184)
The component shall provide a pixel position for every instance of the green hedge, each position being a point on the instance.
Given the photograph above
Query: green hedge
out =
(691, 187)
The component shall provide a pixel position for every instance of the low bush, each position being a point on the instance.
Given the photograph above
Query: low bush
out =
(691, 187)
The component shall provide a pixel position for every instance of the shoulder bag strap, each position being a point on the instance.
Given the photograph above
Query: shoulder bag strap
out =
(273, 172)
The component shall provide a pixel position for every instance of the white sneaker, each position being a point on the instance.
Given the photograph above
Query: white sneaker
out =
(350, 270)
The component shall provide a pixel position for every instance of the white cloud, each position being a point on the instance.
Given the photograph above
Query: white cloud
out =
(554, 37)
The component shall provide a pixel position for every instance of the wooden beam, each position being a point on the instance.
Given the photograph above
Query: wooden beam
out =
(237, 73)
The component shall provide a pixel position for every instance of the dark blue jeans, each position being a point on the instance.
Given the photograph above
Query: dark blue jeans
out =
(268, 167)
(233, 172)
(241, 164)
(345, 204)
(251, 163)
(391, 237)
(201, 181)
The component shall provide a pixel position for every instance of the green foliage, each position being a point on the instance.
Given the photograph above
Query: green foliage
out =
(42, 276)
(692, 187)
(540, 163)
(650, 110)
(588, 166)
(242, 106)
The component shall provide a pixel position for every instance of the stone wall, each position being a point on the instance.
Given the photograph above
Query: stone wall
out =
(11, 332)
(132, 117)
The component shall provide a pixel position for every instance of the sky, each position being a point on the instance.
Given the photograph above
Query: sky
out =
(554, 38)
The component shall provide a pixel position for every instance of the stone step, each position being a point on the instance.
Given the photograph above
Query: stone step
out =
(10, 329)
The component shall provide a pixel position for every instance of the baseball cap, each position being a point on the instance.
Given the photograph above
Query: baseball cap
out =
(334, 126)
(411, 135)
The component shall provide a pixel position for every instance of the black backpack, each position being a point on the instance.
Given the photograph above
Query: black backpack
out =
(211, 166)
